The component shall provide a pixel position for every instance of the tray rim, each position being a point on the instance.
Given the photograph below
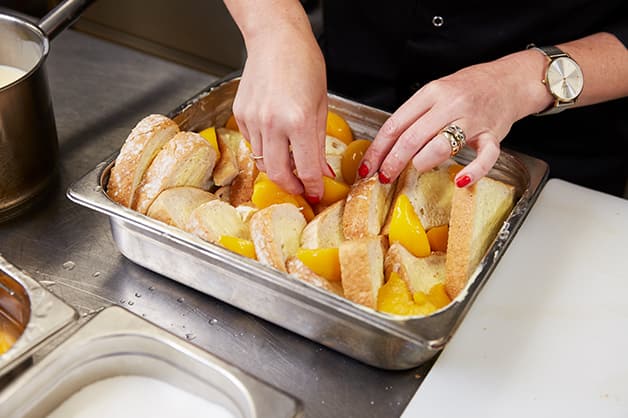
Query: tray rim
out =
(88, 191)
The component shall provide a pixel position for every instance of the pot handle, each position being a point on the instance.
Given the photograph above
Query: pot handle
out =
(62, 16)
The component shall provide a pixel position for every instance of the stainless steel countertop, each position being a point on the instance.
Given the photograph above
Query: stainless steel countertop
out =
(100, 90)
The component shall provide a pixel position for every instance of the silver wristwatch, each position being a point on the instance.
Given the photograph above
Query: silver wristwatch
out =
(563, 79)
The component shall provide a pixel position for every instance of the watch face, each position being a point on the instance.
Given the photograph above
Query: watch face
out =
(564, 79)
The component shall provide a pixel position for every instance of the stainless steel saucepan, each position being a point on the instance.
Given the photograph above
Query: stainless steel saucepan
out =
(28, 137)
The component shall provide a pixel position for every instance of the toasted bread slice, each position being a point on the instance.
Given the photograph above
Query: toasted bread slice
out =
(216, 218)
(227, 167)
(174, 206)
(420, 273)
(430, 194)
(276, 233)
(477, 213)
(137, 153)
(325, 230)
(242, 185)
(186, 160)
(302, 272)
(362, 268)
(366, 208)
(334, 150)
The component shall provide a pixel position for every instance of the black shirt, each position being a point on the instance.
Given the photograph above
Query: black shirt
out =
(380, 53)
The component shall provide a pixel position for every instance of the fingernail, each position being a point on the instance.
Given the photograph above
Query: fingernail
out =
(383, 178)
(463, 181)
(363, 170)
(331, 169)
(312, 200)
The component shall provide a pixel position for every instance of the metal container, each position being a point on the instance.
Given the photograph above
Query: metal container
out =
(378, 339)
(28, 136)
(36, 313)
(117, 343)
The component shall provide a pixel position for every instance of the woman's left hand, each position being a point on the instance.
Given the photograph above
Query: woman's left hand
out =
(483, 100)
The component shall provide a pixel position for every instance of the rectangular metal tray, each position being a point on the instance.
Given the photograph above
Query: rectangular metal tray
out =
(378, 339)
(40, 313)
(117, 343)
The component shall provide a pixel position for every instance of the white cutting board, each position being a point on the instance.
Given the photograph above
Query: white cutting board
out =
(548, 334)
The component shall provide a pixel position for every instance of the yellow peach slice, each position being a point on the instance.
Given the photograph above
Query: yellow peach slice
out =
(322, 261)
(334, 191)
(241, 246)
(406, 228)
(437, 236)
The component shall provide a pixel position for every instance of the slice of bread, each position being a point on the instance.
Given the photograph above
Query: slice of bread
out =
(302, 272)
(186, 160)
(174, 206)
(420, 273)
(477, 214)
(362, 269)
(276, 233)
(242, 185)
(366, 208)
(334, 150)
(216, 218)
(227, 167)
(137, 153)
(325, 230)
(430, 194)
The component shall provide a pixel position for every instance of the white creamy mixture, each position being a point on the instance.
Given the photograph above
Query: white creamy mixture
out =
(137, 397)
(9, 74)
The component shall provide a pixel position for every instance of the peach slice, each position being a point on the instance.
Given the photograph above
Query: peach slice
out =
(266, 193)
(241, 246)
(322, 261)
(406, 228)
(334, 191)
(437, 236)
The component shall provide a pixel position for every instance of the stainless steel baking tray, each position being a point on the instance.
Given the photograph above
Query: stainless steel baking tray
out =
(378, 339)
(117, 343)
(34, 311)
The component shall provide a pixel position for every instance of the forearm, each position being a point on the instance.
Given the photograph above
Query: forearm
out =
(604, 62)
(257, 19)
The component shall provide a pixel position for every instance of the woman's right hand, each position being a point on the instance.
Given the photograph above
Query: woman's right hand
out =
(281, 106)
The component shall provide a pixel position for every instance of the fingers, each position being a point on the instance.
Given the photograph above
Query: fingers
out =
(391, 133)
(487, 147)
(280, 171)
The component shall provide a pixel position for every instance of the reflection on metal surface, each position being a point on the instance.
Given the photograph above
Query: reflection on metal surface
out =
(32, 312)
(117, 343)
(377, 339)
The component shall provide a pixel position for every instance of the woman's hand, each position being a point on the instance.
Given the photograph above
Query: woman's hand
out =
(281, 107)
(484, 100)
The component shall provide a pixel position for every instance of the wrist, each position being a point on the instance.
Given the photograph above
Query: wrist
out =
(533, 96)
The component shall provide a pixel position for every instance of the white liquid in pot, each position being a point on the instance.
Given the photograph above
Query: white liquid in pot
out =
(137, 397)
(9, 74)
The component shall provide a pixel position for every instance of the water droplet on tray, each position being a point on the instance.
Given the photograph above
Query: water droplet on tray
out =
(47, 283)
(190, 337)
(181, 300)
(131, 303)
(98, 189)
(138, 295)
(151, 288)
(69, 265)
(96, 274)
(213, 321)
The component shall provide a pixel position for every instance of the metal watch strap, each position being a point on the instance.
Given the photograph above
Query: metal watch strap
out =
(552, 51)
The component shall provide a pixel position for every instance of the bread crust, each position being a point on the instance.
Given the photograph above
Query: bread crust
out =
(477, 214)
(136, 154)
(242, 185)
(186, 160)
(366, 208)
(362, 269)
(276, 233)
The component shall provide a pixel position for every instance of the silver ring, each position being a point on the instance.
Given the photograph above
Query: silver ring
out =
(257, 157)
(456, 137)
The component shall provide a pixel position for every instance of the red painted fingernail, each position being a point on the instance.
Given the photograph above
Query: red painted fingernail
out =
(331, 169)
(463, 181)
(383, 178)
(312, 199)
(363, 170)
